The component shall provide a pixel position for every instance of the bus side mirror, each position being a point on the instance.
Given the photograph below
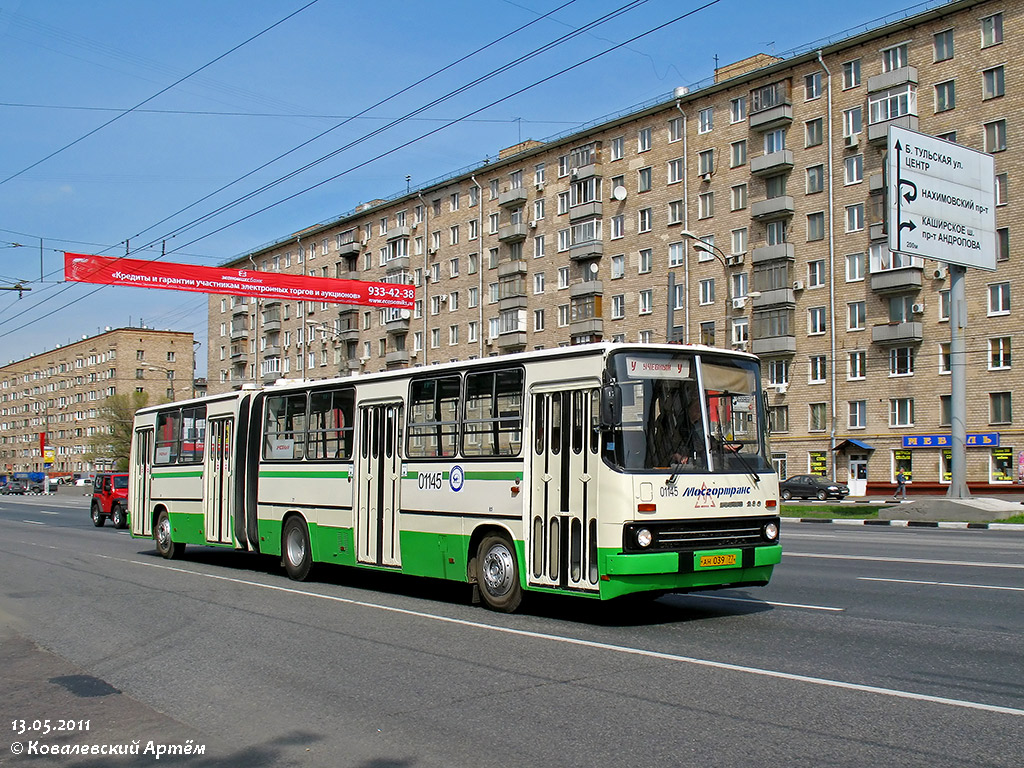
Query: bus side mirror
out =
(610, 406)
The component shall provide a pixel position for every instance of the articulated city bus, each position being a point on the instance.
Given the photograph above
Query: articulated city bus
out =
(598, 470)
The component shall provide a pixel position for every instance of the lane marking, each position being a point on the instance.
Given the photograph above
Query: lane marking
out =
(34, 522)
(45, 512)
(890, 692)
(762, 602)
(915, 561)
(941, 584)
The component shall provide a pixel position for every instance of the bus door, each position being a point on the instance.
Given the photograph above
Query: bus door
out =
(139, 493)
(218, 495)
(378, 469)
(561, 539)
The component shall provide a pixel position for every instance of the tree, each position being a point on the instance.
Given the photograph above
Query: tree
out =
(117, 414)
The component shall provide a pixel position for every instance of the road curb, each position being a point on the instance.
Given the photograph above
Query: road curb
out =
(910, 523)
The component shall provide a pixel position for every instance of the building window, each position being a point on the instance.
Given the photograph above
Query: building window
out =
(893, 103)
(858, 414)
(645, 261)
(739, 241)
(645, 306)
(945, 96)
(643, 140)
(775, 232)
(998, 299)
(538, 319)
(675, 129)
(707, 292)
(995, 136)
(817, 417)
(618, 147)
(643, 180)
(705, 205)
(853, 121)
(538, 283)
(992, 30)
(774, 141)
(855, 217)
(853, 167)
(1002, 189)
(816, 226)
(856, 365)
(675, 254)
(706, 162)
(812, 86)
(778, 420)
(813, 133)
(1003, 244)
(1000, 408)
(618, 307)
(645, 218)
(816, 321)
(737, 153)
(993, 84)
(618, 226)
(675, 212)
(705, 120)
(943, 43)
(563, 278)
(778, 372)
(738, 197)
(999, 353)
(901, 412)
(945, 410)
(618, 266)
(858, 315)
(675, 171)
(738, 110)
(818, 369)
(851, 74)
(707, 333)
(901, 361)
(815, 179)
(894, 58)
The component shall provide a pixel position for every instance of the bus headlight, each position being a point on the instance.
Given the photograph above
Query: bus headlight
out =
(643, 538)
(771, 531)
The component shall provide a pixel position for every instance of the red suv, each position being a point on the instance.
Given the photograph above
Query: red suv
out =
(110, 499)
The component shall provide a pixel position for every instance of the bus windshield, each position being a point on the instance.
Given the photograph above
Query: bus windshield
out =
(685, 412)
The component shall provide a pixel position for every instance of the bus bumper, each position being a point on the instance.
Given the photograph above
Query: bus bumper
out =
(623, 574)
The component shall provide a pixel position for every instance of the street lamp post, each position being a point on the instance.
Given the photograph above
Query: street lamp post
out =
(716, 252)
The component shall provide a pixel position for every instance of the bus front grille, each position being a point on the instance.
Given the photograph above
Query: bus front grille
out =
(693, 535)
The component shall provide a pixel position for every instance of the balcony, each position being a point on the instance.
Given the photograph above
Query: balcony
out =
(347, 250)
(239, 333)
(508, 342)
(397, 233)
(773, 297)
(397, 264)
(239, 356)
(396, 326)
(240, 309)
(773, 162)
(586, 288)
(897, 333)
(512, 233)
(896, 77)
(512, 197)
(592, 326)
(897, 280)
(396, 359)
(593, 249)
(878, 133)
(779, 116)
(348, 334)
(774, 345)
(583, 172)
(773, 253)
(271, 324)
(772, 208)
(509, 268)
(271, 350)
(586, 210)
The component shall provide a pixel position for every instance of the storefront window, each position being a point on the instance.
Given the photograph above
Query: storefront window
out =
(818, 464)
(903, 460)
(1002, 466)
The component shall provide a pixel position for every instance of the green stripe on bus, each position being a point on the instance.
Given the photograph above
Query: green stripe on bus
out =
(196, 473)
(299, 473)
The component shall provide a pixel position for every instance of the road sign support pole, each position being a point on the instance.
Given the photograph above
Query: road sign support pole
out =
(958, 396)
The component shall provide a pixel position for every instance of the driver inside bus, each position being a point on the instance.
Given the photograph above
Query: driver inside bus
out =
(691, 449)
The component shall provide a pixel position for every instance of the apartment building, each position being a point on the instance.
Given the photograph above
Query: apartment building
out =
(747, 214)
(61, 393)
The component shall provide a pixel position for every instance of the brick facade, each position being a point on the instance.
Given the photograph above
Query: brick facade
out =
(798, 273)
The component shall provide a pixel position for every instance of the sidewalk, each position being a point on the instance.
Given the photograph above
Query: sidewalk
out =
(927, 512)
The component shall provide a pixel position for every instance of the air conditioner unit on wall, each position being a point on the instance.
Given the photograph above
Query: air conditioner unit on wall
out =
(940, 273)
(705, 176)
(780, 389)
(917, 309)
(852, 140)
(738, 303)
(734, 260)
(798, 285)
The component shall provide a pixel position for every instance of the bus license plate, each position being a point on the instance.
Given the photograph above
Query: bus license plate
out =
(717, 561)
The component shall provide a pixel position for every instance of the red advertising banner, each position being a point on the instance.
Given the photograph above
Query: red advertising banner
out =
(112, 270)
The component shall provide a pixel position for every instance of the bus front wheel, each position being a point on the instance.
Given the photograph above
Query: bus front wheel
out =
(295, 550)
(165, 545)
(497, 574)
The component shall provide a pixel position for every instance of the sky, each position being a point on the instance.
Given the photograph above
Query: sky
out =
(205, 129)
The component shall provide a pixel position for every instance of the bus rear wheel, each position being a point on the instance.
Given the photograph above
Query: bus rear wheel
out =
(295, 551)
(165, 545)
(497, 574)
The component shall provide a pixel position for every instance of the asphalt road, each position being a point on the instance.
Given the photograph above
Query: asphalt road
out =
(897, 647)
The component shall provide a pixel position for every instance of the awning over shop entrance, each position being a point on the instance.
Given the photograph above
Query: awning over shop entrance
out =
(851, 443)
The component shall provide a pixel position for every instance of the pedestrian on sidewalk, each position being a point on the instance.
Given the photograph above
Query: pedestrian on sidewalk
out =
(901, 486)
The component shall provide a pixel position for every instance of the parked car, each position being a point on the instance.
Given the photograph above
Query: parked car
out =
(14, 487)
(811, 487)
(110, 499)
